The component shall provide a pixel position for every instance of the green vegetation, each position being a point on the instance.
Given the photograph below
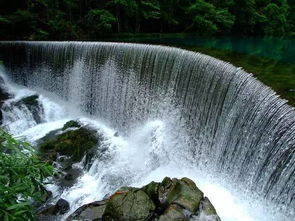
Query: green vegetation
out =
(22, 176)
(88, 19)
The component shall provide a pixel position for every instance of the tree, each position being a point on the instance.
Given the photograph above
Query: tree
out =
(100, 20)
(208, 19)
(79, 19)
(146, 9)
(276, 18)
(167, 10)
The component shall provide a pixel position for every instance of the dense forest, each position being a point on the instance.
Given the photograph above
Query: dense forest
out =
(88, 19)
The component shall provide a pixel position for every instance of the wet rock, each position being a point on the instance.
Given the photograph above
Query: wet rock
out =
(173, 212)
(183, 192)
(152, 191)
(48, 210)
(171, 199)
(66, 146)
(32, 103)
(129, 205)
(89, 211)
(29, 101)
(71, 124)
(61, 207)
(69, 177)
(46, 195)
(3, 97)
(190, 196)
(73, 143)
(207, 209)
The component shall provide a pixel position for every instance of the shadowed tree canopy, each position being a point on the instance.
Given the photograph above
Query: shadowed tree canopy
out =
(87, 19)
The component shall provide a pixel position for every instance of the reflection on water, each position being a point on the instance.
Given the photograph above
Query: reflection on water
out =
(270, 59)
(281, 49)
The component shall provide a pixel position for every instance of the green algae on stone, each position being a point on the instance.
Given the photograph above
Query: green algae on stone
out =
(207, 207)
(131, 205)
(29, 101)
(173, 212)
(190, 196)
(74, 143)
(172, 199)
(152, 191)
(183, 192)
(71, 124)
(168, 191)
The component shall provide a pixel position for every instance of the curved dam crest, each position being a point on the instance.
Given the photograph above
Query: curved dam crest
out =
(221, 119)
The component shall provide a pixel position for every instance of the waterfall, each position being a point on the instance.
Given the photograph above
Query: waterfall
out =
(221, 119)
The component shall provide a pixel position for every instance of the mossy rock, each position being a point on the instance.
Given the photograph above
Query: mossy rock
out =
(168, 191)
(130, 205)
(74, 143)
(91, 211)
(173, 212)
(190, 196)
(71, 124)
(208, 209)
(169, 200)
(183, 192)
(126, 189)
(152, 191)
(29, 101)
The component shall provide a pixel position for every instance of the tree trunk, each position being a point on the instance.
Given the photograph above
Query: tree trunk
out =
(137, 24)
(118, 14)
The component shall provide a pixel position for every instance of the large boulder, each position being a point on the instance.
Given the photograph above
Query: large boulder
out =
(53, 211)
(171, 199)
(173, 212)
(66, 146)
(129, 205)
(72, 140)
(183, 192)
(89, 211)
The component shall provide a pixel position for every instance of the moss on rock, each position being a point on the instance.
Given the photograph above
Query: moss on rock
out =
(207, 207)
(71, 124)
(74, 143)
(171, 199)
(173, 212)
(130, 205)
(29, 101)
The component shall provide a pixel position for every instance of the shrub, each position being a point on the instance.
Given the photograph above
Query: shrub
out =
(22, 176)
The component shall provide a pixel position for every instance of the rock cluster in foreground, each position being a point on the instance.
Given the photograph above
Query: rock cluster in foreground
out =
(171, 199)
